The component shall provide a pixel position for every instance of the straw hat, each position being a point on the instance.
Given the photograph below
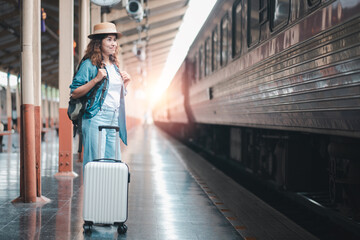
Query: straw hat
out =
(104, 28)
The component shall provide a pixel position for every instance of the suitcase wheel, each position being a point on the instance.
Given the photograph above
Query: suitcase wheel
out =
(122, 228)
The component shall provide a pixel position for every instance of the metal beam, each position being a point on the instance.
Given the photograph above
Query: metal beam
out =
(10, 29)
(10, 15)
(152, 19)
(152, 32)
(11, 44)
(159, 40)
(117, 14)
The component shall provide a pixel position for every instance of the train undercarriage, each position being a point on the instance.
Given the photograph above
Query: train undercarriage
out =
(288, 161)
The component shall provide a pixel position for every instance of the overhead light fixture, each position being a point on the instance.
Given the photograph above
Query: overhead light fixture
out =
(135, 10)
(139, 51)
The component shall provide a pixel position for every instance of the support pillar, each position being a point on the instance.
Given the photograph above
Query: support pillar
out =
(28, 133)
(52, 108)
(18, 102)
(8, 104)
(84, 31)
(66, 69)
(95, 15)
(37, 94)
(56, 107)
(27, 153)
(84, 28)
(46, 107)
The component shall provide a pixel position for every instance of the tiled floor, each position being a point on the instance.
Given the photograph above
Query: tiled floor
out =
(165, 202)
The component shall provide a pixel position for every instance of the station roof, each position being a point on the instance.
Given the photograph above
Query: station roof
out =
(153, 36)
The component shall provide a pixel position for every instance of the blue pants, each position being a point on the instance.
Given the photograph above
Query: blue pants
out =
(90, 131)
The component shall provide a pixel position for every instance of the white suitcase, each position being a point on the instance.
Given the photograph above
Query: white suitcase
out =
(106, 184)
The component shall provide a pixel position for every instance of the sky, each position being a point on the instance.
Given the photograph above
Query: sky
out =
(194, 18)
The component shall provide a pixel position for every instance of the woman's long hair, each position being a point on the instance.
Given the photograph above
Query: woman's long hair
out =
(93, 52)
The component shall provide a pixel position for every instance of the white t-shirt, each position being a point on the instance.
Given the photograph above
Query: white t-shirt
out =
(115, 83)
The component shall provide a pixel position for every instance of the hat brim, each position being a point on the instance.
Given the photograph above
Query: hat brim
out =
(94, 35)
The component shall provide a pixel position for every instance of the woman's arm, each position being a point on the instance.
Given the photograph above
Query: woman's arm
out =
(84, 89)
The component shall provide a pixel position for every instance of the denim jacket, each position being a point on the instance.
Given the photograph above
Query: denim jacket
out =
(87, 71)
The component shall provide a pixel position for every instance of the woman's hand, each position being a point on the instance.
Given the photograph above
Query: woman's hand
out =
(126, 77)
(100, 75)
(84, 89)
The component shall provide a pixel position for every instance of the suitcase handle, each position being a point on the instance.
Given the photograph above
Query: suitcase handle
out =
(106, 160)
(101, 127)
(108, 127)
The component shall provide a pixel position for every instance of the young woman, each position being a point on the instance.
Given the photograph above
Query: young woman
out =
(99, 71)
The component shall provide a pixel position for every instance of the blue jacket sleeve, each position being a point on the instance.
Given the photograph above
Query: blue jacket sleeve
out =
(86, 72)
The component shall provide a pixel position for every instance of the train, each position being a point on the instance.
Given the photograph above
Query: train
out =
(272, 87)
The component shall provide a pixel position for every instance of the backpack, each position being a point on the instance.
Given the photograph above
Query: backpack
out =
(77, 107)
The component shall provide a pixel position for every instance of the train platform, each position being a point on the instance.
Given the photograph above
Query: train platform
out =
(165, 201)
(173, 194)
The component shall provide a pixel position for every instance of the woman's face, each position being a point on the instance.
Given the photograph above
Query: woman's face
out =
(108, 45)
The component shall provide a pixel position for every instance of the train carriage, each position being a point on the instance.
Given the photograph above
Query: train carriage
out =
(290, 80)
(274, 86)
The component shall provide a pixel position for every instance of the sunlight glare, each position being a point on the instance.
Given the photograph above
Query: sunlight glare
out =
(194, 18)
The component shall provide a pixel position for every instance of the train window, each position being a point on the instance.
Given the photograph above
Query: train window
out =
(253, 22)
(313, 2)
(237, 27)
(196, 72)
(263, 12)
(279, 13)
(224, 40)
(215, 56)
(201, 62)
(207, 56)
